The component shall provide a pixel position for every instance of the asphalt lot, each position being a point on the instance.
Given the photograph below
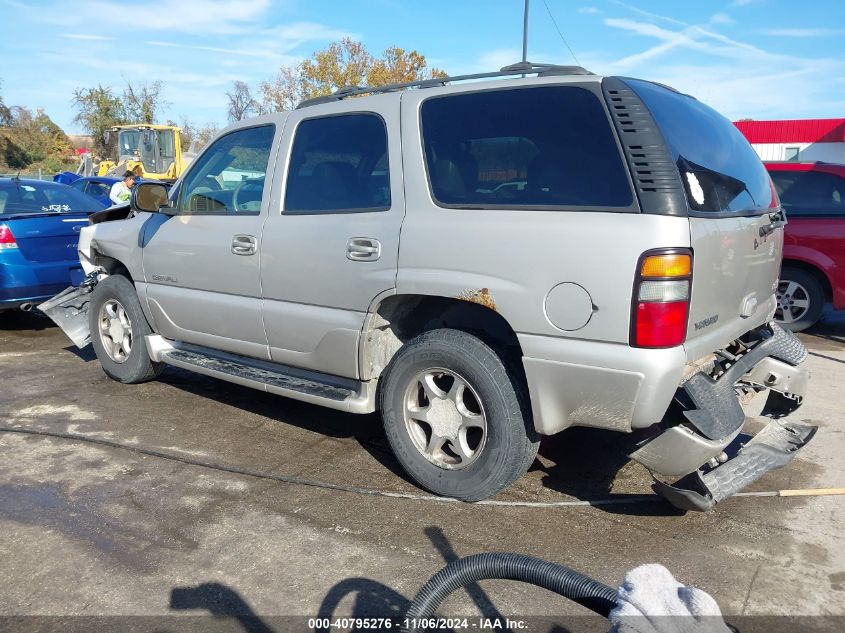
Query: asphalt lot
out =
(92, 530)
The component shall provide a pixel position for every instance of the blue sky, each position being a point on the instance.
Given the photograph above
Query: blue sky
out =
(748, 58)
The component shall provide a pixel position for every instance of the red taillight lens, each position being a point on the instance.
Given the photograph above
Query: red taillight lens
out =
(7, 240)
(661, 324)
(661, 298)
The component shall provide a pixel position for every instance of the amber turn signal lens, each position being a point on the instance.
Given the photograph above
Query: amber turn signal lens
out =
(669, 265)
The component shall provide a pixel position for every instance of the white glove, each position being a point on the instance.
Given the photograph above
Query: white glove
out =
(652, 601)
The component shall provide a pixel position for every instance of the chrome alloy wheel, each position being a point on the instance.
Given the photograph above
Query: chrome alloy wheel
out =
(793, 302)
(445, 418)
(115, 331)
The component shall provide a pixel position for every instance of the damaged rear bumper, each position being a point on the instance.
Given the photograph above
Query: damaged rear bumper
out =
(712, 419)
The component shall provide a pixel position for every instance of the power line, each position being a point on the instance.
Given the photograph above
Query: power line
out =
(557, 28)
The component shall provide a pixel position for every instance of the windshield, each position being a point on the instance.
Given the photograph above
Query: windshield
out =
(720, 170)
(35, 197)
(127, 143)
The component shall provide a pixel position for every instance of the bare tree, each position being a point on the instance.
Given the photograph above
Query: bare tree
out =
(5, 111)
(194, 137)
(141, 103)
(241, 102)
(283, 92)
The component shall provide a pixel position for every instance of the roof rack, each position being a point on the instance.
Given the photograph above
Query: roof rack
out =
(519, 68)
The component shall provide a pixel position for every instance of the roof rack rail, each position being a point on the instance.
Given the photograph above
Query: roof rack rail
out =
(519, 68)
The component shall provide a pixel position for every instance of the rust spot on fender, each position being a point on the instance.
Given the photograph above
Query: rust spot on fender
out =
(481, 296)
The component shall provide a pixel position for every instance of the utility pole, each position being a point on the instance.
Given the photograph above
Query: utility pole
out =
(525, 34)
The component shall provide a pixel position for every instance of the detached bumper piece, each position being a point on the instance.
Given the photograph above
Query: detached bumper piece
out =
(771, 448)
(712, 420)
(69, 310)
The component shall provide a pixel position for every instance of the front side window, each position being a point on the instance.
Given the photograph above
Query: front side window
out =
(546, 147)
(810, 193)
(339, 164)
(228, 179)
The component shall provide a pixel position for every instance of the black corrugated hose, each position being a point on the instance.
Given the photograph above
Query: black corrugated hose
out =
(562, 580)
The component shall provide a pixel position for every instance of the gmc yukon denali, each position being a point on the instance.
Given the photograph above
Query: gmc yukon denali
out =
(362, 254)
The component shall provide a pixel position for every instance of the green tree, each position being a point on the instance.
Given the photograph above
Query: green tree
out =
(98, 109)
(31, 138)
(396, 66)
(340, 65)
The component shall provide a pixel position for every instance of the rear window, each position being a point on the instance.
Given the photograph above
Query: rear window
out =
(545, 147)
(810, 193)
(28, 197)
(720, 170)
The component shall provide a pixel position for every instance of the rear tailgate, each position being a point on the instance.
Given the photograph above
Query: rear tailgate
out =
(735, 272)
(736, 231)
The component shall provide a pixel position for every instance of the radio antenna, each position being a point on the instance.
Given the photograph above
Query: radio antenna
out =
(525, 34)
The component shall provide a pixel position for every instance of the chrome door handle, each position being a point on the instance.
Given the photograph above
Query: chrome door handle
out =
(244, 245)
(363, 249)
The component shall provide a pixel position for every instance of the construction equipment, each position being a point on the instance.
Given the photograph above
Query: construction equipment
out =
(151, 151)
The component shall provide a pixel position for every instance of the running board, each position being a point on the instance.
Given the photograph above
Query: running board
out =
(771, 448)
(336, 392)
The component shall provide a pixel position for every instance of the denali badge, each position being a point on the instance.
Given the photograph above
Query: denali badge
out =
(705, 322)
(165, 278)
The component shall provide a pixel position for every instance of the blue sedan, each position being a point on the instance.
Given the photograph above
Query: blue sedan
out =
(39, 232)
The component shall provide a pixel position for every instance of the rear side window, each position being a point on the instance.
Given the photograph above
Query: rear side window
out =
(546, 147)
(97, 189)
(339, 165)
(810, 193)
(720, 171)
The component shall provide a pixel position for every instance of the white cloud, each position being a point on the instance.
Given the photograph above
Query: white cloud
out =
(215, 49)
(803, 32)
(210, 17)
(496, 59)
(721, 18)
(649, 14)
(87, 37)
(737, 78)
(588, 10)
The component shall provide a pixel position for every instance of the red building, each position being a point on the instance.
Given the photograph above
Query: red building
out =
(797, 139)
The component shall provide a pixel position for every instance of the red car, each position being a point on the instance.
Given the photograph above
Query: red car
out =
(813, 269)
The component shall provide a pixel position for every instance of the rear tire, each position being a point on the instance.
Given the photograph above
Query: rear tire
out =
(457, 420)
(118, 328)
(800, 299)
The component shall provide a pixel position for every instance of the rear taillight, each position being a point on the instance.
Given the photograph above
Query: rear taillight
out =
(661, 298)
(7, 240)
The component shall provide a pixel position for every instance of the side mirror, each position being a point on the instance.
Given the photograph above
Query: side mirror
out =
(150, 197)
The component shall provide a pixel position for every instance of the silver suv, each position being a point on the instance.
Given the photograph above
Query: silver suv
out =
(362, 254)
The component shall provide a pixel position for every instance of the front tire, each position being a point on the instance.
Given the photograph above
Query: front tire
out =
(118, 328)
(457, 420)
(800, 299)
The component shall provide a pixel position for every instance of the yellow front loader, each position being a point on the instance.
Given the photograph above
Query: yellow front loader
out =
(151, 151)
